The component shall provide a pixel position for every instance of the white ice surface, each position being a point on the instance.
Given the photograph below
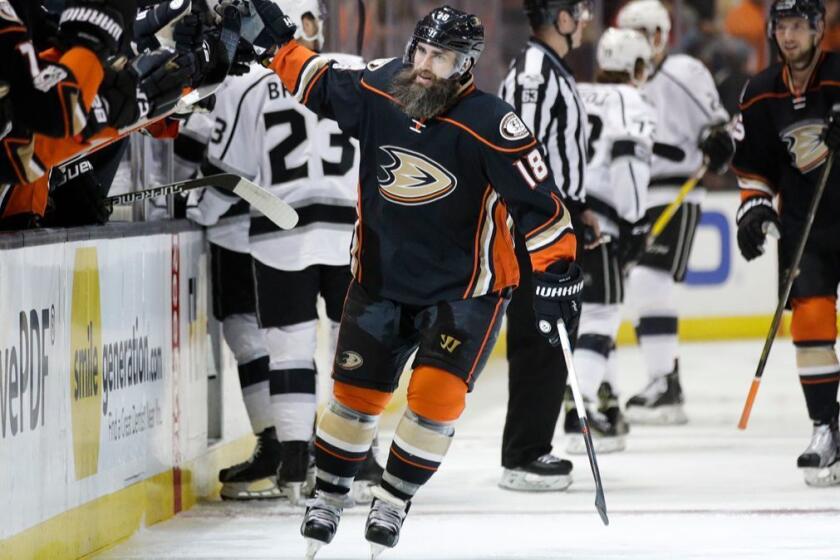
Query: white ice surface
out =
(705, 490)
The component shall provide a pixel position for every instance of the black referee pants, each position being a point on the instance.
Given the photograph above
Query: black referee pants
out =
(536, 377)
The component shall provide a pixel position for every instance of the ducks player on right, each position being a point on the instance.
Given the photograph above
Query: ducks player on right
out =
(621, 128)
(790, 122)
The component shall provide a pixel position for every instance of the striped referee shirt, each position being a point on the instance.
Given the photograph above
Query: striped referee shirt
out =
(541, 88)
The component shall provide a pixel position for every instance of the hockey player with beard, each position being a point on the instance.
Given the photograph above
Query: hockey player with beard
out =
(272, 278)
(692, 126)
(790, 121)
(446, 173)
(622, 126)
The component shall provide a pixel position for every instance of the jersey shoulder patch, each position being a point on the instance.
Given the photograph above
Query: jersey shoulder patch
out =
(380, 73)
(493, 121)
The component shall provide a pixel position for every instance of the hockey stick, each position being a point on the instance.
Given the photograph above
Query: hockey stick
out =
(793, 272)
(600, 501)
(259, 198)
(360, 33)
(666, 215)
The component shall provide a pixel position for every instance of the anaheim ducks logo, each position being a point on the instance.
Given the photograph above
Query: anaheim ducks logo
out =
(804, 145)
(413, 179)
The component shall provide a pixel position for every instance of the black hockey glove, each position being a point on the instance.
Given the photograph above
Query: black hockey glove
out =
(97, 25)
(155, 18)
(277, 24)
(717, 145)
(162, 74)
(756, 217)
(631, 243)
(118, 91)
(76, 197)
(557, 295)
(831, 134)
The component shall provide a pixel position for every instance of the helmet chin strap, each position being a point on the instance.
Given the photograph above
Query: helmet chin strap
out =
(567, 36)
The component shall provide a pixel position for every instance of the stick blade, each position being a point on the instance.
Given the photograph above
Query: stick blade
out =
(601, 506)
(270, 206)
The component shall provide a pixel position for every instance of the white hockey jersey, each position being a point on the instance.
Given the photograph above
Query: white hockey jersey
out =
(686, 100)
(262, 133)
(622, 125)
(207, 206)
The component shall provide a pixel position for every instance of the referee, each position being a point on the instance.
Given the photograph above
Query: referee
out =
(541, 88)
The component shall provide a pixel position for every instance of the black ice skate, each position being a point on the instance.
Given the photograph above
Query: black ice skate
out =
(320, 522)
(386, 517)
(820, 463)
(293, 471)
(544, 474)
(254, 479)
(660, 403)
(369, 476)
(606, 424)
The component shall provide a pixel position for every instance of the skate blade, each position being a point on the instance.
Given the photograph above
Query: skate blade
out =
(264, 489)
(293, 491)
(361, 492)
(670, 415)
(577, 446)
(376, 550)
(312, 548)
(822, 477)
(527, 482)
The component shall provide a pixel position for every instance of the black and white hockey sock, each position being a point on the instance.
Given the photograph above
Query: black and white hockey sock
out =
(342, 442)
(417, 451)
(819, 375)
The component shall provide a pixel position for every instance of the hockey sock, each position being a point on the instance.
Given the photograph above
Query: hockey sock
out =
(417, 451)
(292, 380)
(611, 375)
(590, 358)
(819, 375)
(253, 378)
(658, 339)
(342, 442)
(651, 292)
(814, 330)
(247, 342)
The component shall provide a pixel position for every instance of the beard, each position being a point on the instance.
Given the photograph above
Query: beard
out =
(423, 102)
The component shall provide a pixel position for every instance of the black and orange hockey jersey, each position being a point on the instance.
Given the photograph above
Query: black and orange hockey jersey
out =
(50, 92)
(779, 151)
(437, 199)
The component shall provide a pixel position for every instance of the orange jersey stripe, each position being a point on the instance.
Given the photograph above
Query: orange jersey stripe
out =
(289, 63)
(486, 338)
(477, 243)
(505, 267)
(564, 248)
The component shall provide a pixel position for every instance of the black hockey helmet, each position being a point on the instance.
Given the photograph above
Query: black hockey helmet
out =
(451, 29)
(544, 12)
(812, 10)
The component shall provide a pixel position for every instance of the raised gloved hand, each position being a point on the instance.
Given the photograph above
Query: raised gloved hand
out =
(118, 92)
(756, 218)
(717, 145)
(631, 242)
(831, 134)
(277, 24)
(162, 76)
(557, 295)
(97, 25)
